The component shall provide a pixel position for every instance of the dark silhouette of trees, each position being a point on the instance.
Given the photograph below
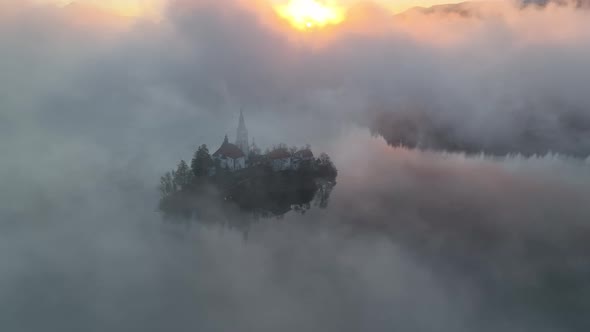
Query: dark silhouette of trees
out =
(183, 176)
(278, 147)
(202, 162)
(167, 185)
(322, 197)
(325, 166)
(258, 188)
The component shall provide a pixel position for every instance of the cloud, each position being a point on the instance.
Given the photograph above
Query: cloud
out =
(420, 241)
(507, 80)
(436, 242)
(504, 80)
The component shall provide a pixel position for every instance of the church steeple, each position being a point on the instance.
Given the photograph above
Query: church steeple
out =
(242, 135)
(242, 122)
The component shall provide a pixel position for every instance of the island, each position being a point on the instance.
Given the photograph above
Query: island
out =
(240, 177)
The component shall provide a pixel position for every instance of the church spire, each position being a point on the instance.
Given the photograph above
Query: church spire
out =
(242, 134)
(242, 122)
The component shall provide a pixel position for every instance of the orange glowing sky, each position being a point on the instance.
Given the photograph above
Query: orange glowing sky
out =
(395, 6)
(129, 8)
(301, 13)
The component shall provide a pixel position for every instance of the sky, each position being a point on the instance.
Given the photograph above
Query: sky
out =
(461, 135)
(154, 7)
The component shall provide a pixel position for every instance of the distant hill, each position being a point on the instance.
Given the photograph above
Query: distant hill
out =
(463, 9)
(577, 3)
(481, 9)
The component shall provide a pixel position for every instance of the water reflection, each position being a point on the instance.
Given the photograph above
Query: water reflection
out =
(250, 202)
(299, 199)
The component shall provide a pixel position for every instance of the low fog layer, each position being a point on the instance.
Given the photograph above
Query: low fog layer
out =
(93, 111)
(413, 241)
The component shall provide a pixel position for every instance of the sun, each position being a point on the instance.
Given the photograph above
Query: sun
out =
(311, 14)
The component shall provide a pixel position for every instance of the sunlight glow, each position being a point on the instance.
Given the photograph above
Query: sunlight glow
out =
(311, 14)
(125, 8)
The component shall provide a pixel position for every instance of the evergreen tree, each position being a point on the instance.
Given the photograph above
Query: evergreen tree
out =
(167, 185)
(183, 176)
(201, 162)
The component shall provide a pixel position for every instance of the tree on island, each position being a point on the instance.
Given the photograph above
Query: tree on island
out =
(325, 166)
(201, 162)
(257, 188)
(278, 147)
(167, 185)
(183, 177)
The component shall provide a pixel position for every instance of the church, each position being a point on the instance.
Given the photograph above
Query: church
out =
(233, 156)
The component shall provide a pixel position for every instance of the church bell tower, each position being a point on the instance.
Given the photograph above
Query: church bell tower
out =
(242, 135)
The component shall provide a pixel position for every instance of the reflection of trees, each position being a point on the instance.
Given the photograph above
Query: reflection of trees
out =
(260, 196)
(322, 196)
(278, 194)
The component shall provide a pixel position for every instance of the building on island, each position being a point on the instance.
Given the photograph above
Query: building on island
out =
(233, 156)
(242, 135)
(300, 157)
(240, 155)
(304, 154)
(280, 159)
(230, 156)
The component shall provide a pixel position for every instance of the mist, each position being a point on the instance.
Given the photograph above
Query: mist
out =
(460, 135)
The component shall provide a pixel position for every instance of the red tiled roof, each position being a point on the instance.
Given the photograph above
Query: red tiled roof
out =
(229, 150)
(278, 154)
(304, 153)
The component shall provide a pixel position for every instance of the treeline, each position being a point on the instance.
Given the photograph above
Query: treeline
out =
(184, 177)
(204, 169)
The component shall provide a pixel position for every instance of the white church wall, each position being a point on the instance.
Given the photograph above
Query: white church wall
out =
(232, 164)
(240, 163)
